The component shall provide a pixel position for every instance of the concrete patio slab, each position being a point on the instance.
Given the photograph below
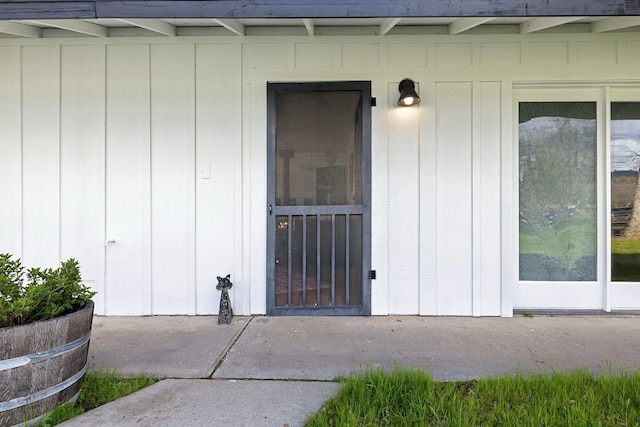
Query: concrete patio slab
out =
(165, 346)
(450, 348)
(276, 371)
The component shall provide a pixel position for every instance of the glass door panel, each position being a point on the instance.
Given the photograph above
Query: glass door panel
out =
(625, 191)
(558, 191)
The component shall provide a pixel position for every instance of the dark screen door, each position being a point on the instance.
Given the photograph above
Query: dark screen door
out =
(318, 219)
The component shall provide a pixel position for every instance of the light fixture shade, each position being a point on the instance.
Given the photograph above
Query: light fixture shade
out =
(408, 94)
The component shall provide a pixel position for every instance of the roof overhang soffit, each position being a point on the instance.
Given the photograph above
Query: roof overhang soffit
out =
(32, 18)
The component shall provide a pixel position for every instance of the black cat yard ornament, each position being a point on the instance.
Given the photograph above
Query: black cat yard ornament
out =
(225, 312)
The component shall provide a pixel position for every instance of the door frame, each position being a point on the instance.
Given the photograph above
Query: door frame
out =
(621, 296)
(365, 88)
(546, 295)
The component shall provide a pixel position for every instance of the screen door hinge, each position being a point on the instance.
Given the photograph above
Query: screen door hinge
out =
(374, 101)
(372, 275)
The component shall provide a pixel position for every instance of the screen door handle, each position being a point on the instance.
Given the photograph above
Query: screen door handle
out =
(270, 210)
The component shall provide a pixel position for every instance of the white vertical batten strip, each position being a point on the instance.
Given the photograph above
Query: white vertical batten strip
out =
(238, 205)
(508, 198)
(192, 198)
(147, 207)
(59, 52)
(476, 205)
(102, 258)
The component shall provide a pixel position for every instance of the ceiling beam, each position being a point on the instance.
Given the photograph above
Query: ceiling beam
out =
(21, 30)
(74, 25)
(464, 24)
(232, 25)
(310, 26)
(539, 24)
(311, 9)
(388, 24)
(154, 25)
(617, 23)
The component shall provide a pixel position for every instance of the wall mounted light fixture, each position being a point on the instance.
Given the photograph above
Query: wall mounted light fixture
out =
(408, 94)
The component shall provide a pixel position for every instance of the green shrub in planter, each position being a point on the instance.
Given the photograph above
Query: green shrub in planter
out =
(29, 295)
(45, 330)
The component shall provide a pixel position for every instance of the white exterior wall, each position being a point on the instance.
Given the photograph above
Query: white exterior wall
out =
(160, 145)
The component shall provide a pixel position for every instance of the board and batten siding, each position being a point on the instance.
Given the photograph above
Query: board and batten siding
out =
(145, 159)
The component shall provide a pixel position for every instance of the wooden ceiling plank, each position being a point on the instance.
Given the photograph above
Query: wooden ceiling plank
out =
(313, 9)
(154, 25)
(464, 24)
(74, 25)
(18, 10)
(22, 30)
(539, 24)
(232, 25)
(617, 23)
(388, 24)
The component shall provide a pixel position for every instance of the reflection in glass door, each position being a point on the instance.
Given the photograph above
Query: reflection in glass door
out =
(558, 191)
(625, 192)
(318, 216)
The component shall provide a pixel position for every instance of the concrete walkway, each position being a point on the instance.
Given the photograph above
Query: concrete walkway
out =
(277, 371)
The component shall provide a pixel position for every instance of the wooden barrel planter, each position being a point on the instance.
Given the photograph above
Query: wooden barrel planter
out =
(42, 365)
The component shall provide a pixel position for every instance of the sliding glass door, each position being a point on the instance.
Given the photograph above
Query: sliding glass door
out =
(578, 198)
(560, 237)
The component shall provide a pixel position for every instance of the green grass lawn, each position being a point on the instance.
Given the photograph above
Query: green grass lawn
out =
(98, 388)
(625, 260)
(625, 247)
(406, 397)
(412, 398)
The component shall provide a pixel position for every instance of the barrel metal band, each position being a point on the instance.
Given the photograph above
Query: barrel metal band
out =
(42, 394)
(43, 355)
